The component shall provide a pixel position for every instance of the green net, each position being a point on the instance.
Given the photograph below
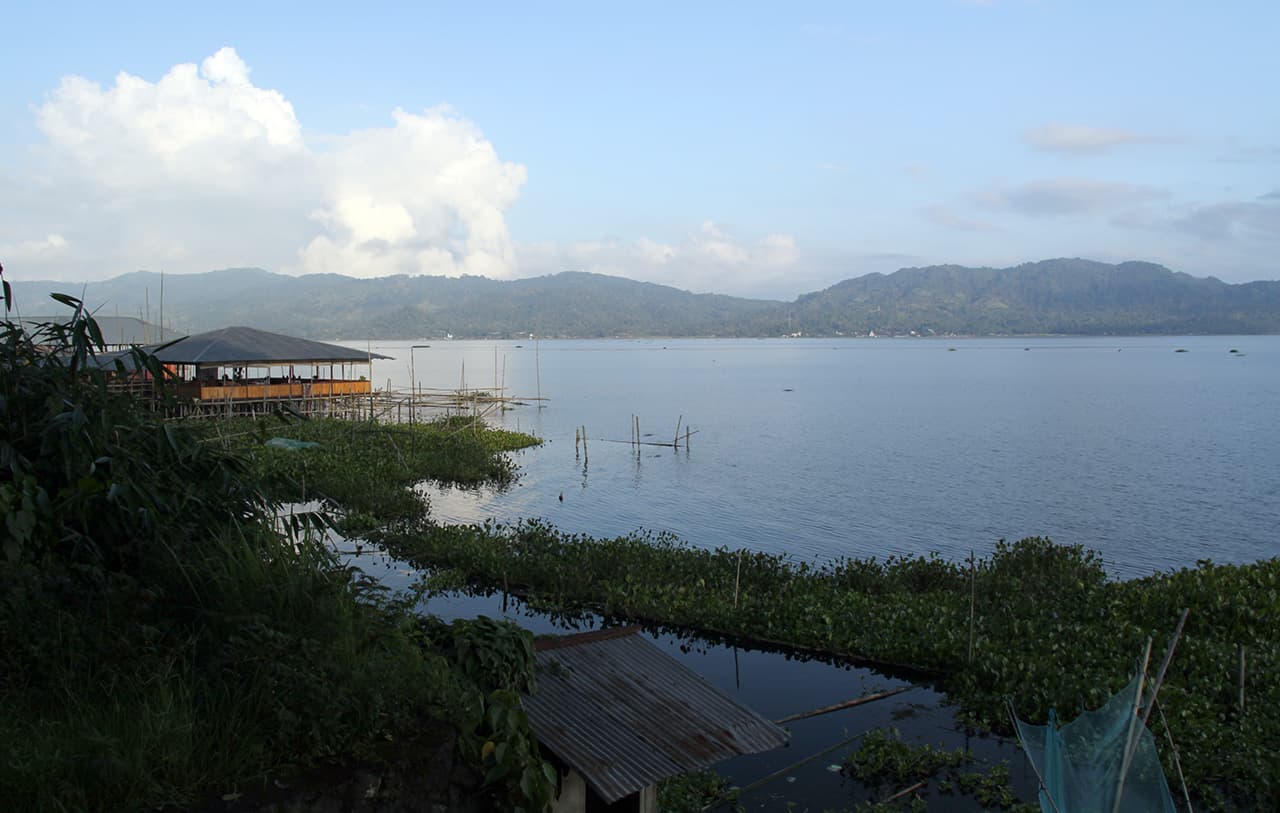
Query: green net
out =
(1081, 762)
(291, 444)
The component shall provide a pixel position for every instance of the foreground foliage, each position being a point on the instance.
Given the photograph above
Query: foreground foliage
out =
(1049, 628)
(161, 639)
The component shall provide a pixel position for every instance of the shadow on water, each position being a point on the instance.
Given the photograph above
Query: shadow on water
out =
(775, 682)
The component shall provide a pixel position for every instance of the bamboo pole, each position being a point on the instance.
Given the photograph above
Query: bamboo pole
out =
(1177, 763)
(1013, 718)
(1133, 724)
(737, 581)
(1164, 664)
(675, 444)
(905, 792)
(847, 704)
(973, 600)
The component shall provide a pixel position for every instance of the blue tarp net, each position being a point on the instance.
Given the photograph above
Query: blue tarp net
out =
(1080, 762)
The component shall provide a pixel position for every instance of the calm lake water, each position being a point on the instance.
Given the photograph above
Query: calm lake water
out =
(823, 449)
(829, 448)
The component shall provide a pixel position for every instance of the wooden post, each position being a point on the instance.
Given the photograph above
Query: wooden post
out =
(687, 433)
(675, 443)
(584, 444)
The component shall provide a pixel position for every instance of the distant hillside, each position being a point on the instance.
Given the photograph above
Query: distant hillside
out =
(1048, 297)
(1065, 296)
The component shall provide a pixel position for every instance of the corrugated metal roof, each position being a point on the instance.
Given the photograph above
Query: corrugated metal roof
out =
(624, 714)
(247, 345)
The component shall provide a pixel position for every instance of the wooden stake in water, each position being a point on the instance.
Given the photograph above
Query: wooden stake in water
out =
(737, 581)
(973, 600)
(675, 443)
(584, 444)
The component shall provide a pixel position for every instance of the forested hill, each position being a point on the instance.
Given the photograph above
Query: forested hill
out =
(1064, 296)
(1052, 296)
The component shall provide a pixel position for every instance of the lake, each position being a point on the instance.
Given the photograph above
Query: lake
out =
(875, 447)
(823, 449)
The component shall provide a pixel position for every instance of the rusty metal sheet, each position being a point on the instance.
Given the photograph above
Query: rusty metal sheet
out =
(624, 714)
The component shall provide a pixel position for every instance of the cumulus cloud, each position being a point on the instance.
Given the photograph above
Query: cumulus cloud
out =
(1069, 196)
(708, 259)
(1080, 138)
(203, 168)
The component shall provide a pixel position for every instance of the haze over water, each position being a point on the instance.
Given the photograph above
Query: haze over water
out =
(822, 448)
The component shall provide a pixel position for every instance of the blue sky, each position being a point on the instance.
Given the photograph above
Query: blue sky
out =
(756, 149)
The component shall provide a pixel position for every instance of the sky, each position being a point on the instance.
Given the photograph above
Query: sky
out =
(755, 149)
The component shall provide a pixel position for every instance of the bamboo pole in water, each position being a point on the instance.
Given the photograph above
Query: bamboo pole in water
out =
(973, 600)
(737, 581)
(675, 444)
(847, 704)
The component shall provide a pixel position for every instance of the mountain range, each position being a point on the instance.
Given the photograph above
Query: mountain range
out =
(1060, 296)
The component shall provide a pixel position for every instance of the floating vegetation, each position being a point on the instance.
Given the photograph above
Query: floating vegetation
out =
(366, 471)
(1036, 622)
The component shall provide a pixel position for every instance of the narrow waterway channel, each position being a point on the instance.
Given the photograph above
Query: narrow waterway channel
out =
(776, 684)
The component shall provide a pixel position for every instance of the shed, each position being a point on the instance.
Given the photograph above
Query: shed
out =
(241, 370)
(246, 364)
(620, 715)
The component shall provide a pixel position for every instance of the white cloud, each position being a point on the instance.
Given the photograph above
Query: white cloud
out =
(709, 259)
(202, 169)
(1080, 138)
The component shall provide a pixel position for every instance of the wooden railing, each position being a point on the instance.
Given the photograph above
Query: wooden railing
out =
(297, 390)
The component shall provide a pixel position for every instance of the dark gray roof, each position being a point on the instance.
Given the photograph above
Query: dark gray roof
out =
(117, 330)
(624, 714)
(247, 345)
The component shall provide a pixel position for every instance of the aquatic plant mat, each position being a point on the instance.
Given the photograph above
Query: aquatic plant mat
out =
(1035, 622)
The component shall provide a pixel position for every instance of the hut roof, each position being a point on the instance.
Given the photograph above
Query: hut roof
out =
(247, 345)
(624, 714)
